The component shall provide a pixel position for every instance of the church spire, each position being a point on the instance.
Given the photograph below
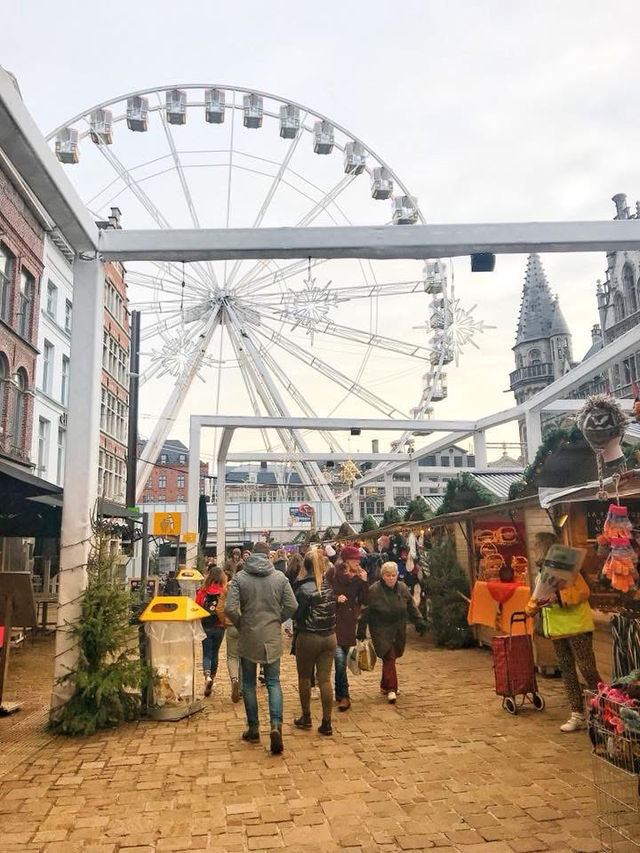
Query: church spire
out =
(537, 307)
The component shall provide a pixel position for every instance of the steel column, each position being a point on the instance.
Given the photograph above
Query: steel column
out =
(193, 492)
(221, 464)
(81, 464)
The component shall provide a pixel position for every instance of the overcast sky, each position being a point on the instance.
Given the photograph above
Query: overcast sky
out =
(491, 111)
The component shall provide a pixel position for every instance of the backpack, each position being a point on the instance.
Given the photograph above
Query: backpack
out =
(209, 602)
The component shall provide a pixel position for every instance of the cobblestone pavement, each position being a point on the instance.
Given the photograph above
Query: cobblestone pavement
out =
(445, 768)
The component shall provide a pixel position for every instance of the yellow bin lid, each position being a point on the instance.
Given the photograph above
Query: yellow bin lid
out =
(172, 608)
(189, 575)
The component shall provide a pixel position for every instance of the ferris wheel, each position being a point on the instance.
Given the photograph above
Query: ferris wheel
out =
(304, 333)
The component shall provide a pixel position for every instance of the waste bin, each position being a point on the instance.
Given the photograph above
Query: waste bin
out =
(173, 627)
(190, 581)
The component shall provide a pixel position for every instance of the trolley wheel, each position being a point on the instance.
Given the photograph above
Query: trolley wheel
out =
(538, 702)
(510, 705)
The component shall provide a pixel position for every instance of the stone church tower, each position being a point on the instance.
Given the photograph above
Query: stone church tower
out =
(543, 341)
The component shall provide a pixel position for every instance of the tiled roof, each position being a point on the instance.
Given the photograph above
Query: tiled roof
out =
(498, 484)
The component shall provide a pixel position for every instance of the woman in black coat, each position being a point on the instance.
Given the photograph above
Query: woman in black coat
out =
(314, 639)
(389, 607)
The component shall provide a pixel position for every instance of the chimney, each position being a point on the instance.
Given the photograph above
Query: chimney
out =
(375, 446)
(620, 201)
(114, 219)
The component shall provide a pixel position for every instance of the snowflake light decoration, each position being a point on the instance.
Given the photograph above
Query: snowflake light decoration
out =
(310, 305)
(456, 327)
(176, 353)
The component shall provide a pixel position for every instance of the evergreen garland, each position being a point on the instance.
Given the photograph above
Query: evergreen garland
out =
(329, 535)
(368, 523)
(464, 492)
(418, 510)
(554, 439)
(109, 679)
(442, 581)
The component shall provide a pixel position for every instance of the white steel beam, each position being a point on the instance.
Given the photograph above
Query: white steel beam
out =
(81, 464)
(337, 424)
(26, 148)
(415, 241)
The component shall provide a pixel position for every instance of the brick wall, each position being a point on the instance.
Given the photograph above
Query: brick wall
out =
(24, 238)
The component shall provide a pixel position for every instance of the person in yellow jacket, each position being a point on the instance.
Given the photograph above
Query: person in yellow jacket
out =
(568, 622)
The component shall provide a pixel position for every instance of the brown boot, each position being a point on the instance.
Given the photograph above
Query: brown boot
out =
(344, 704)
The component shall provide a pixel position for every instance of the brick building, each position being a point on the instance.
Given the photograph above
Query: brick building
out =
(22, 224)
(169, 480)
(114, 404)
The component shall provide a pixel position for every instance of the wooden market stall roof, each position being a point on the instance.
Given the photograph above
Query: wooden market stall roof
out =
(502, 508)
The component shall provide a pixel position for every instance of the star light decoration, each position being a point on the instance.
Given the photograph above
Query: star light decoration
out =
(310, 305)
(176, 353)
(349, 472)
(456, 328)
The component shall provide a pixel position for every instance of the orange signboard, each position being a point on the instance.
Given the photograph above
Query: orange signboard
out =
(167, 523)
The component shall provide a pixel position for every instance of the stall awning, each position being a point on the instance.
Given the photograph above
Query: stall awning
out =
(629, 484)
(26, 503)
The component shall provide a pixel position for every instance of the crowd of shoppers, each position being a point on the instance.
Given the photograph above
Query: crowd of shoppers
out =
(323, 599)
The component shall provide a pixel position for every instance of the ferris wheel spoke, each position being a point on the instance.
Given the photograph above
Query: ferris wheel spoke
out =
(137, 190)
(354, 335)
(181, 274)
(336, 295)
(319, 483)
(174, 321)
(259, 381)
(282, 274)
(183, 183)
(250, 387)
(296, 395)
(174, 402)
(148, 282)
(330, 372)
(319, 207)
(269, 197)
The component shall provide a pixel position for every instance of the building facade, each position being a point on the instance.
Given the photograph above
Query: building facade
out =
(21, 265)
(51, 398)
(543, 340)
(169, 480)
(51, 393)
(619, 309)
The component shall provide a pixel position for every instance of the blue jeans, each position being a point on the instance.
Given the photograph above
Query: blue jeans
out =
(342, 682)
(274, 691)
(210, 648)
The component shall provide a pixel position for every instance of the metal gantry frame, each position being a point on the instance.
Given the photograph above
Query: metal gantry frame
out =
(27, 150)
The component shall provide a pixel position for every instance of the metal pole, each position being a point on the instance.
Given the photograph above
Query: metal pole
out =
(144, 571)
(81, 465)
(132, 443)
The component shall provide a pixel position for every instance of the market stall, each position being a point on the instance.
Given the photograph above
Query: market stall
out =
(509, 538)
(581, 513)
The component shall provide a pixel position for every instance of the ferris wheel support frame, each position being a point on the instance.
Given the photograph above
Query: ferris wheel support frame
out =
(171, 408)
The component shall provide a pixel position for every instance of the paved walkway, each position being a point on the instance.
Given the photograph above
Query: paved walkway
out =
(445, 768)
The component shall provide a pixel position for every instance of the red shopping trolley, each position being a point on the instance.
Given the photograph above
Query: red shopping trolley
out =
(514, 668)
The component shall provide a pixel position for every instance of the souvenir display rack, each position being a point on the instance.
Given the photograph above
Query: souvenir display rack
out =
(616, 774)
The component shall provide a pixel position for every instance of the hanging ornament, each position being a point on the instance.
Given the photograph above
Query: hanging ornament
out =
(617, 523)
(602, 422)
(620, 565)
